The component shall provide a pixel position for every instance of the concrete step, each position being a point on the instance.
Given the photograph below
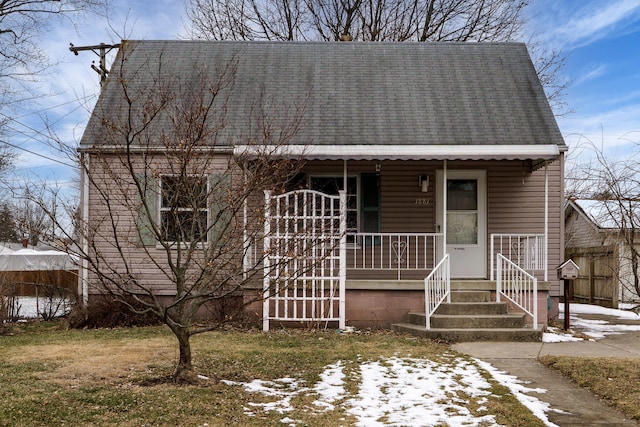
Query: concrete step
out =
(457, 321)
(467, 335)
(505, 321)
(469, 308)
(471, 296)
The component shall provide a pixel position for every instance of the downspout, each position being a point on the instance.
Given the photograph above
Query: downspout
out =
(84, 273)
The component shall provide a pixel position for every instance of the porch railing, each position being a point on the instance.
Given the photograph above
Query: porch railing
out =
(518, 286)
(392, 251)
(437, 288)
(526, 250)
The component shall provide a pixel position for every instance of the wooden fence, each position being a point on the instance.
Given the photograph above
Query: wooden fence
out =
(597, 281)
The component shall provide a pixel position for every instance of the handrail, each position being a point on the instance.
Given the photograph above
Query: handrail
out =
(517, 286)
(437, 287)
(529, 251)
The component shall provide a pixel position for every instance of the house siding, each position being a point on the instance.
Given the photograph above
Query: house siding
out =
(515, 204)
(114, 219)
(515, 200)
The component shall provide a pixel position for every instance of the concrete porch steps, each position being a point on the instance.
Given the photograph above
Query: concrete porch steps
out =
(471, 316)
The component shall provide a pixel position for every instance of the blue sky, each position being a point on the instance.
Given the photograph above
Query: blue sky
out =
(600, 37)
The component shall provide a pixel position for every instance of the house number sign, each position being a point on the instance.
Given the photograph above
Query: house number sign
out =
(423, 202)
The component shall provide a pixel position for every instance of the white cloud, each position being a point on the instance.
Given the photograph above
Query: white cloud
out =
(575, 24)
(593, 73)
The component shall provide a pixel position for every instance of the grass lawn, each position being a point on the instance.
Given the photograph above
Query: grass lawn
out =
(615, 380)
(52, 376)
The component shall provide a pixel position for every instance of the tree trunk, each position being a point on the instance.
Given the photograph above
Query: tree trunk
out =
(184, 372)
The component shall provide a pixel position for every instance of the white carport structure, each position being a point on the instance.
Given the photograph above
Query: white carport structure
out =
(35, 260)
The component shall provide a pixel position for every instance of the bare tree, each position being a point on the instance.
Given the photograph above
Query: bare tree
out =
(174, 210)
(615, 183)
(32, 218)
(362, 20)
(23, 25)
(375, 20)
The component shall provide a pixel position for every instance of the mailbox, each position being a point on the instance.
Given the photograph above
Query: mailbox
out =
(568, 270)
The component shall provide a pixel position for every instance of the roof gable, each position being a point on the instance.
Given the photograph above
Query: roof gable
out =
(358, 93)
(607, 214)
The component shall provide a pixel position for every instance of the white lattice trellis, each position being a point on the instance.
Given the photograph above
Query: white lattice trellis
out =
(305, 253)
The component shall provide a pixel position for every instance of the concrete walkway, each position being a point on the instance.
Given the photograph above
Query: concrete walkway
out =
(576, 406)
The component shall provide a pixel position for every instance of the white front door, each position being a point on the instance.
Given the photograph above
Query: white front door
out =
(466, 225)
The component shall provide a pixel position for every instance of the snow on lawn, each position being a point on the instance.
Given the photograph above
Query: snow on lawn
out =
(399, 392)
(595, 329)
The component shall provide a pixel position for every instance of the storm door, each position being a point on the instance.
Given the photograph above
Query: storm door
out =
(466, 228)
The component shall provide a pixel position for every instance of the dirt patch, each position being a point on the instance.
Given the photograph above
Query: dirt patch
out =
(76, 364)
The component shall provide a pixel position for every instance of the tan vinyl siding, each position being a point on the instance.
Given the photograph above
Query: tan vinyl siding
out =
(515, 198)
(114, 213)
(515, 204)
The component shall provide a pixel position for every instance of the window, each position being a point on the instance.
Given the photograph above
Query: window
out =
(331, 185)
(184, 214)
(363, 201)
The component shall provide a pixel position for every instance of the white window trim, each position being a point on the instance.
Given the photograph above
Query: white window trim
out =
(357, 209)
(162, 209)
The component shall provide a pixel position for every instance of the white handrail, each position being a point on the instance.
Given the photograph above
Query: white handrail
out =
(528, 251)
(437, 287)
(518, 286)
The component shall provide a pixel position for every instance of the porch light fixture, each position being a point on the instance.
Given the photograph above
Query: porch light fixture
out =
(423, 182)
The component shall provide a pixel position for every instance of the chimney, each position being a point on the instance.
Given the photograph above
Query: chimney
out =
(25, 242)
(346, 37)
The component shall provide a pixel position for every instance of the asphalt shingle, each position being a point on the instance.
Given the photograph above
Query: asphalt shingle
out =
(353, 93)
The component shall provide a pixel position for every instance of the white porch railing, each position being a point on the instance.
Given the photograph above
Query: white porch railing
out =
(518, 286)
(437, 288)
(392, 251)
(528, 251)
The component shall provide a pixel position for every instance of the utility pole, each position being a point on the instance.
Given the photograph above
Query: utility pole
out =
(101, 50)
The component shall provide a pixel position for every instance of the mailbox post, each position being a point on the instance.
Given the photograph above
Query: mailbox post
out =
(567, 271)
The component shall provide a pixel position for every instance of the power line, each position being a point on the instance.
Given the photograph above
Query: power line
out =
(38, 154)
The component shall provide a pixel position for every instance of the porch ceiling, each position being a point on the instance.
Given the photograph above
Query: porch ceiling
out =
(548, 152)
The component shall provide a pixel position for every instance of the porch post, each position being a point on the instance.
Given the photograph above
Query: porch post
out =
(444, 208)
(245, 237)
(546, 221)
(84, 274)
(266, 261)
(343, 257)
(344, 175)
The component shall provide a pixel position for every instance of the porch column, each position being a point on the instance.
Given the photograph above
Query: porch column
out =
(245, 237)
(546, 221)
(342, 309)
(344, 175)
(444, 208)
(266, 263)
(84, 274)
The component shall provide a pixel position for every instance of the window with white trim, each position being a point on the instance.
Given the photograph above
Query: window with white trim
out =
(184, 211)
(331, 185)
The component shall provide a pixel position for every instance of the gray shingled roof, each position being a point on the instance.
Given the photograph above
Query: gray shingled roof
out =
(359, 93)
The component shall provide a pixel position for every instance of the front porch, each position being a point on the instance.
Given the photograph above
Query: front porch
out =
(361, 242)
(377, 280)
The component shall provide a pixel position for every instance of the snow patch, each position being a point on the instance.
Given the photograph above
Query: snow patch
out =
(398, 392)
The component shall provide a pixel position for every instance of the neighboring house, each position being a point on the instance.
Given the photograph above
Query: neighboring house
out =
(37, 271)
(599, 238)
(402, 127)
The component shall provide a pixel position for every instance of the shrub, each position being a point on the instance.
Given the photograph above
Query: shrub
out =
(108, 312)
